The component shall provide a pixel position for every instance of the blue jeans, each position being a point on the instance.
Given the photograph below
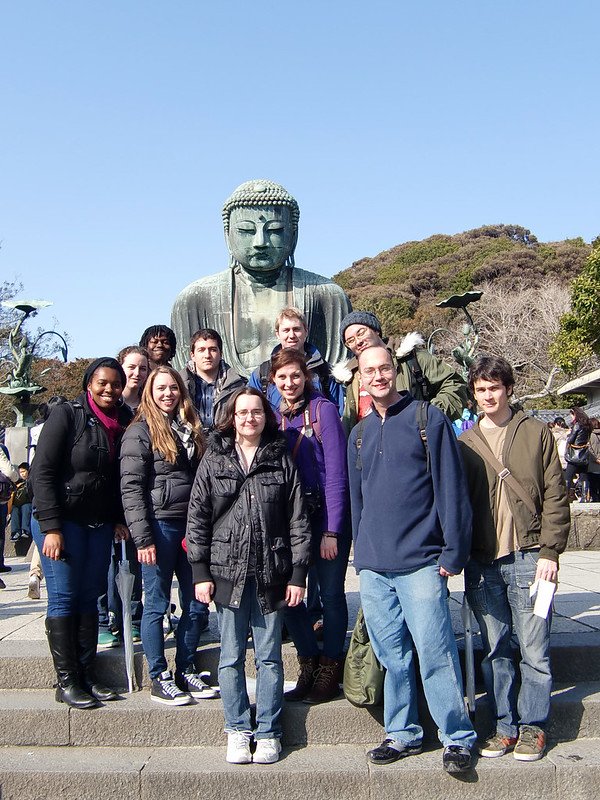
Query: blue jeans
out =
(111, 601)
(331, 576)
(20, 519)
(266, 637)
(396, 607)
(170, 558)
(498, 593)
(75, 584)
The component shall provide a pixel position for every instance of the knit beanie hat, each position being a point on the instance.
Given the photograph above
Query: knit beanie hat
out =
(107, 361)
(360, 318)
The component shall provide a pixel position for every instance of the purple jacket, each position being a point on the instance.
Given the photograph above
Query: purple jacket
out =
(327, 469)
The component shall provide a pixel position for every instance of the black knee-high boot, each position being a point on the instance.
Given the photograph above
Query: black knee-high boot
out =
(61, 639)
(87, 641)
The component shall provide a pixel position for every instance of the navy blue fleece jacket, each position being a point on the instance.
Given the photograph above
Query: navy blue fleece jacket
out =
(402, 515)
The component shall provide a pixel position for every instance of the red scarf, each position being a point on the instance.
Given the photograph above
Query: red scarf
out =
(109, 423)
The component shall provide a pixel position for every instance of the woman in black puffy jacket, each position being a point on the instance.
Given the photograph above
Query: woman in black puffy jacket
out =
(248, 541)
(76, 512)
(159, 457)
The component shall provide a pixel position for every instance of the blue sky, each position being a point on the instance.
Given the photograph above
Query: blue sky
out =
(127, 123)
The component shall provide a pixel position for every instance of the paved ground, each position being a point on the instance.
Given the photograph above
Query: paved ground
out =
(577, 601)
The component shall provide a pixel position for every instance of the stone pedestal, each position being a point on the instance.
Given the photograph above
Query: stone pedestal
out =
(17, 442)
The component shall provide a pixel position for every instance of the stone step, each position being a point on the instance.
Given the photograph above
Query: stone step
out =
(33, 718)
(570, 771)
(27, 664)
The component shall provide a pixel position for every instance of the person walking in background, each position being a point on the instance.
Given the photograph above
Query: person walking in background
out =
(248, 541)
(76, 513)
(159, 457)
(36, 573)
(521, 525)
(10, 475)
(577, 452)
(594, 459)
(560, 431)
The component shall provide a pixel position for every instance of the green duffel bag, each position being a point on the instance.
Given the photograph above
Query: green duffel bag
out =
(363, 674)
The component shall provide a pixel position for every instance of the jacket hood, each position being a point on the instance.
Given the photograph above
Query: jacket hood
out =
(342, 372)
(409, 343)
(224, 445)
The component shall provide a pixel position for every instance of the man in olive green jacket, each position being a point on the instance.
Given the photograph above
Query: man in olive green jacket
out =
(424, 376)
(520, 527)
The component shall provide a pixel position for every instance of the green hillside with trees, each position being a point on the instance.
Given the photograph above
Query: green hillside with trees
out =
(402, 285)
(526, 285)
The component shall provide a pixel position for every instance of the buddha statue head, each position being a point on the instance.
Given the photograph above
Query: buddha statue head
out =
(261, 227)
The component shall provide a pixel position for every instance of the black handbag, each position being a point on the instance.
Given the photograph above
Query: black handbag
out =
(578, 455)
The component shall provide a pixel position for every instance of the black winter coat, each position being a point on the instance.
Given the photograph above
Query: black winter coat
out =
(72, 476)
(152, 487)
(226, 506)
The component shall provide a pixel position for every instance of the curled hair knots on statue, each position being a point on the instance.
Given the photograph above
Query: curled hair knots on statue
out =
(260, 193)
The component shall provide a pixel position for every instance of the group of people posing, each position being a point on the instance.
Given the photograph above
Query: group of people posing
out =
(241, 490)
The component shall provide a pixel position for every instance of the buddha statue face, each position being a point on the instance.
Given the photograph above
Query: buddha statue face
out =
(261, 238)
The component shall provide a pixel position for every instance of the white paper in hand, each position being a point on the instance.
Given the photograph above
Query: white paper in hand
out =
(543, 591)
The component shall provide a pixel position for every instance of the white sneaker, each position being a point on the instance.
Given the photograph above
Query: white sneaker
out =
(238, 747)
(34, 588)
(267, 751)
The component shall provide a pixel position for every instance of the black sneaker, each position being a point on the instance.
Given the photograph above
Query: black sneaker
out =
(390, 750)
(192, 683)
(14, 537)
(5, 568)
(456, 758)
(165, 690)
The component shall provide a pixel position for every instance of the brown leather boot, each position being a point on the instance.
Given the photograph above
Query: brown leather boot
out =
(326, 684)
(306, 675)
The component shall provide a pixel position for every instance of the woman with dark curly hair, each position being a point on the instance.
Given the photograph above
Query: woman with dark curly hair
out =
(248, 541)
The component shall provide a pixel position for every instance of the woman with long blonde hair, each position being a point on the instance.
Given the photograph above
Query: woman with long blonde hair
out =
(160, 453)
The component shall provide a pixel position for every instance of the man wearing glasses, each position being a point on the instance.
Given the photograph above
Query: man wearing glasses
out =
(411, 524)
(418, 372)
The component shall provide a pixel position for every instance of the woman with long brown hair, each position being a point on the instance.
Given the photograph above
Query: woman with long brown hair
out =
(160, 453)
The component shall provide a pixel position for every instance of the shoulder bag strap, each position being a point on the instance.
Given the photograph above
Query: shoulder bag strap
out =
(503, 473)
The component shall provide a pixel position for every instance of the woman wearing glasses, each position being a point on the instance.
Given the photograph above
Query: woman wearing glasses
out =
(248, 541)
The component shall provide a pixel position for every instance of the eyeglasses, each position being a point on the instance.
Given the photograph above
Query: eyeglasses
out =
(254, 413)
(359, 334)
(369, 372)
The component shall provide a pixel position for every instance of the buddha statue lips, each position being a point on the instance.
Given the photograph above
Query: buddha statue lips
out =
(261, 230)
